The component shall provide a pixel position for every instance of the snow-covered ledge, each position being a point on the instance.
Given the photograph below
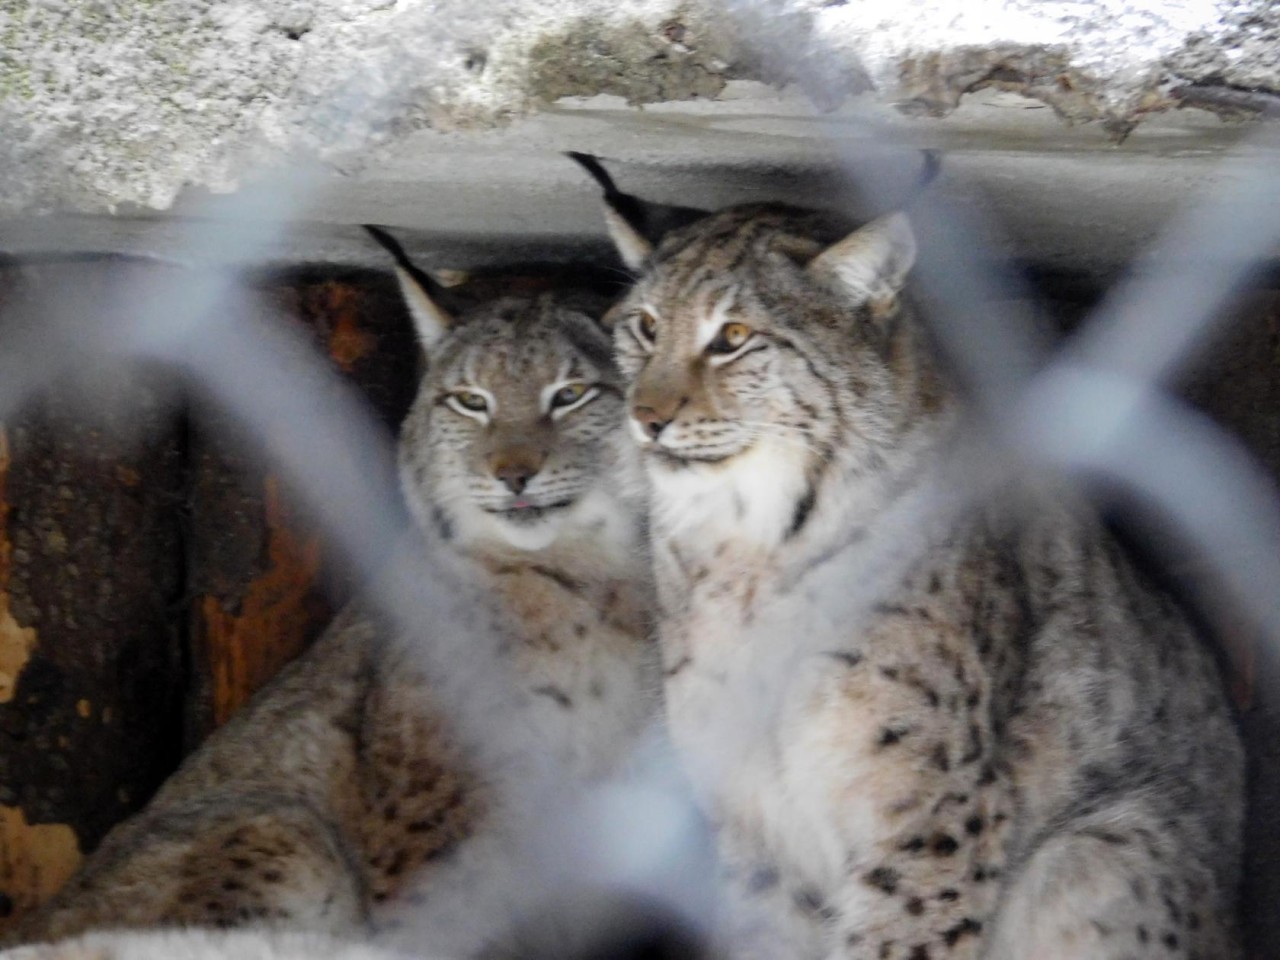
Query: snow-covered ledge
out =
(105, 103)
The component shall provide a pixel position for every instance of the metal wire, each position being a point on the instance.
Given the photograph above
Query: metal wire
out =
(1098, 410)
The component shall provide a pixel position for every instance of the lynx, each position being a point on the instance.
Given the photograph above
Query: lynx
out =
(197, 944)
(335, 799)
(1023, 748)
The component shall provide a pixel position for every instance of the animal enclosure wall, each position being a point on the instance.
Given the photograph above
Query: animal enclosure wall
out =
(166, 547)
(155, 570)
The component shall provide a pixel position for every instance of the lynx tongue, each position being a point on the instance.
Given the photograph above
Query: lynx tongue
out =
(520, 503)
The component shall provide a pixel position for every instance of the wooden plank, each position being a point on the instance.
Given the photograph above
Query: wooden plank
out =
(91, 671)
(262, 582)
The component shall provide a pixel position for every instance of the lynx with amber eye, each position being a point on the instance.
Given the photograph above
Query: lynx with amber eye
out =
(730, 338)
(920, 734)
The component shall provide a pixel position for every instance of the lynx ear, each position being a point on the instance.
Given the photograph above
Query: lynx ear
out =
(635, 225)
(631, 245)
(422, 295)
(872, 262)
(609, 319)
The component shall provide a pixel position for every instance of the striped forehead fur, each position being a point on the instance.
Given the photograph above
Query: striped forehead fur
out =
(701, 265)
(545, 317)
(723, 240)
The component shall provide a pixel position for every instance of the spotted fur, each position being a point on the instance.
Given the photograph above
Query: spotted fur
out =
(1023, 750)
(198, 944)
(340, 799)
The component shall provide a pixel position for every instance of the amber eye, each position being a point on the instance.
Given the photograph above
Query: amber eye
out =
(647, 326)
(730, 337)
(470, 401)
(568, 395)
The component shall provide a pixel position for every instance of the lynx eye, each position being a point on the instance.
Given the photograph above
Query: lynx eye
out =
(730, 337)
(469, 400)
(646, 326)
(568, 397)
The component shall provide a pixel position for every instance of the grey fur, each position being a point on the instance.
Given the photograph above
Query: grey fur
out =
(342, 794)
(1024, 751)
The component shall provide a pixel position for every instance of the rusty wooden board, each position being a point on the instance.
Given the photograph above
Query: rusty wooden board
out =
(94, 572)
(263, 584)
(91, 673)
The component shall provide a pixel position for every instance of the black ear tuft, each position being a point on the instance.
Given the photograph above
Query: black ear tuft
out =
(651, 221)
(598, 173)
(427, 300)
(389, 243)
(930, 167)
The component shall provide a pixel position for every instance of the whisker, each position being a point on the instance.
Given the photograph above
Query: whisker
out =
(773, 431)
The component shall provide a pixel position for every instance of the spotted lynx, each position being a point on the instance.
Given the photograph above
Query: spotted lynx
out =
(339, 794)
(1022, 751)
(197, 944)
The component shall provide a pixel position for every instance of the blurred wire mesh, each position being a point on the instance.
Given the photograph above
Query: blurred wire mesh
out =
(1099, 410)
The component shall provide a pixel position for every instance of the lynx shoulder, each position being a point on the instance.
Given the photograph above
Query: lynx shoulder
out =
(197, 945)
(343, 789)
(1021, 748)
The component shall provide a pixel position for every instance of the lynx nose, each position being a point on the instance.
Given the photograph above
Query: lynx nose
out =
(515, 476)
(651, 421)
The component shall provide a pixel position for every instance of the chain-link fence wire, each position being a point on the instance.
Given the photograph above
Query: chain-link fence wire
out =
(314, 429)
(1097, 412)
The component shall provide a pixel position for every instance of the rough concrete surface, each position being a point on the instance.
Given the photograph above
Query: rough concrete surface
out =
(105, 103)
(1065, 197)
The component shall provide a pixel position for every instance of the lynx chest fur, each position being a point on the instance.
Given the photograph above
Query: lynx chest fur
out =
(509, 458)
(1016, 746)
(343, 797)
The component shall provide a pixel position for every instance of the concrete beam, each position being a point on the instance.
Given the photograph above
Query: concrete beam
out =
(109, 105)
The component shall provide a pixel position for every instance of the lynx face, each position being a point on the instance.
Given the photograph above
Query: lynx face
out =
(709, 363)
(754, 352)
(968, 766)
(506, 439)
(506, 442)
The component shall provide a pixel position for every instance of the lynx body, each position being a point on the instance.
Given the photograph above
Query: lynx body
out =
(342, 799)
(1017, 748)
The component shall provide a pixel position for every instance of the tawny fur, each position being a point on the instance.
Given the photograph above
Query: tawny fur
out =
(198, 945)
(341, 799)
(1021, 750)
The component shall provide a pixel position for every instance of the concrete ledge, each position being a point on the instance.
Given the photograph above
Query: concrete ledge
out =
(109, 104)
